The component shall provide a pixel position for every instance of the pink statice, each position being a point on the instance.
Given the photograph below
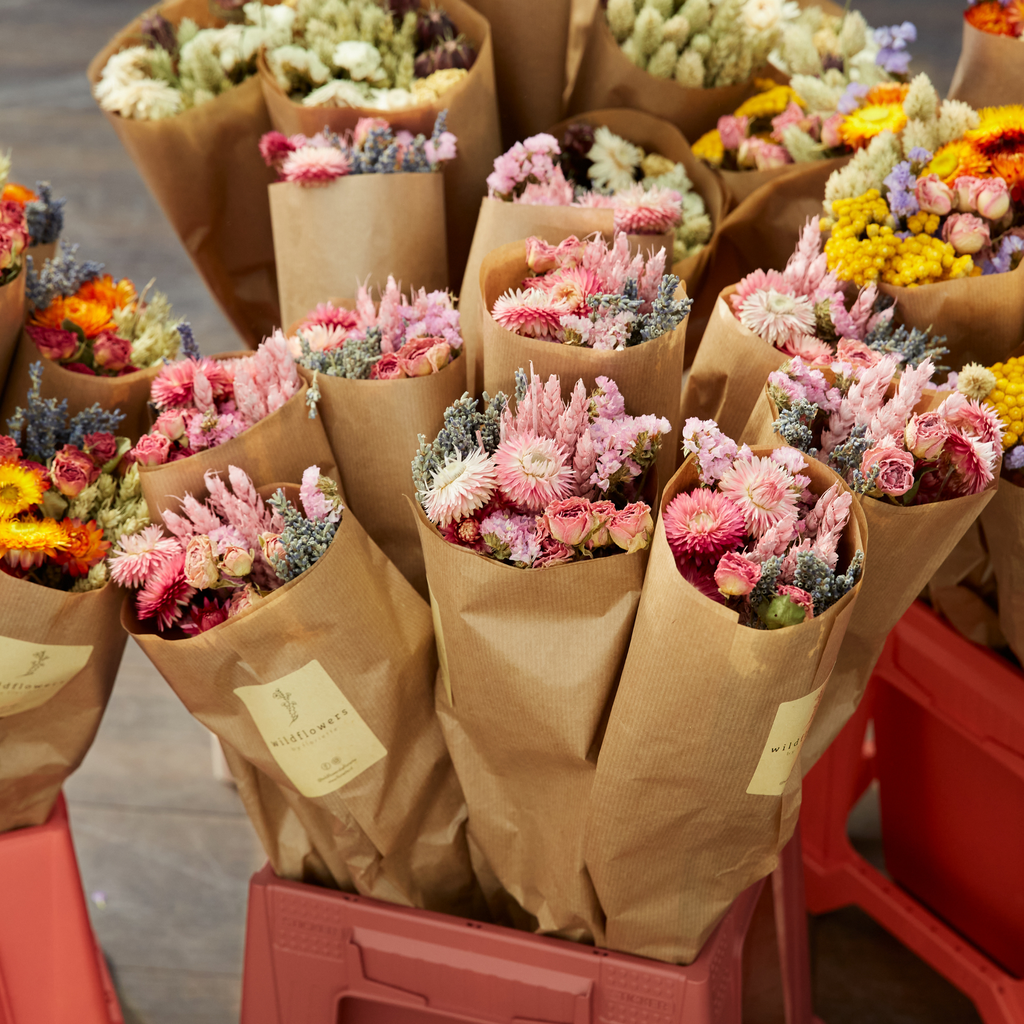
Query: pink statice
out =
(564, 476)
(714, 450)
(532, 161)
(315, 503)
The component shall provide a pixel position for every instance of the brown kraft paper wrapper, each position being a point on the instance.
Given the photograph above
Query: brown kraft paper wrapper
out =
(531, 41)
(981, 317)
(373, 428)
(529, 663)
(12, 316)
(649, 375)
(357, 230)
(698, 779)
(990, 72)
(204, 168)
(498, 224)
(608, 78)
(655, 135)
(761, 233)
(739, 185)
(129, 393)
(1002, 520)
(60, 654)
(472, 117)
(908, 545)
(728, 374)
(279, 447)
(359, 650)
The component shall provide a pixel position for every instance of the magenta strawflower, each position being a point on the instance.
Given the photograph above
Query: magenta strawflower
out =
(532, 312)
(702, 524)
(165, 593)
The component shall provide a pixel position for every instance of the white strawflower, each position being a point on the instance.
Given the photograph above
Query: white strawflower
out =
(767, 16)
(462, 485)
(293, 64)
(127, 91)
(339, 92)
(614, 161)
(361, 60)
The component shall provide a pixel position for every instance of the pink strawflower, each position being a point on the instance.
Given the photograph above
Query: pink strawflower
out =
(462, 485)
(531, 471)
(530, 312)
(165, 592)
(640, 211)
(735, 575)
(135, 557)
(972, 418)
(702, 524)
(173, 387)
(319, 337)
(571, 287)
(326, 314)
(274, 147)
(762, 490)
(202, 617)
(856, 353)
(973, 461)
(776, 316)
(758, 281)
(809, 348)
(314, 165)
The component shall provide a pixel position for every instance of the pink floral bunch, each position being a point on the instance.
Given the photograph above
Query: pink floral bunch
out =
(400, 336)
(219, 557)
(204, 402)
(372, 147)
(14, 239)
(592, 293)
(758, 143)
(530, 173)
(753, 536)
(552, 482)
(803, 310)
(881, 438)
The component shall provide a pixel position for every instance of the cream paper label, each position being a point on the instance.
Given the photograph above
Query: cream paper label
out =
(442, 654)
(30, 674)
(315, 735)
(789, 730)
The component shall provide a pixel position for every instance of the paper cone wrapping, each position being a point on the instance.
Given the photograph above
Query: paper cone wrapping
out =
(990, 72)
(279, 447)
(761, 233)
(357, 230)
(42, 251)
(472, 116)
(655, 135)
(498, 224)
(531, 41)
(649, 375)
(739, 185)
(373, 797)
(1002, 519)
(129, 393)
(60, 653)
(729, 372)
(204, 168)
(12, 316)
(608, 78)
(981, 317)
(373, 428)
(529, 662)
(698, 778)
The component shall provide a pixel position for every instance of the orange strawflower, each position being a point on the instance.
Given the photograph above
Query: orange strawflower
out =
(113, 294)
(27, 543)
(990, 16)
(85, 547)
(999, 137)
(886, 93)
(92, 317)
(17, 193)
(1015, 14)
(51, 317)
(958, 159)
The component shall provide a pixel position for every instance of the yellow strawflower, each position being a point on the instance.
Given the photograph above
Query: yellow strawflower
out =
(20, 489)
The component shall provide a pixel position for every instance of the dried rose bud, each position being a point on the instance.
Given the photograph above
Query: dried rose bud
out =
(451, 53)
(158, 31)
(577, 142)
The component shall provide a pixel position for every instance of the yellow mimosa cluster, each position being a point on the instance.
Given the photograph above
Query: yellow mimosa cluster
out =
(1007, 398)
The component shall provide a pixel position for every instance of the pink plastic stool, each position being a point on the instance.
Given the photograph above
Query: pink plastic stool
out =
(51, 969)
(837, 876)
(316, 956)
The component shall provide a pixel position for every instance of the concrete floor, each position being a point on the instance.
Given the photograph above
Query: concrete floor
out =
(165, 849)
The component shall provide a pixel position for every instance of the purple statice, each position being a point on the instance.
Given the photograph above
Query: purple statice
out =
(62, 275)
(893, 55)
(900, 182)
(189, 346)
(1014, 458)
(919, 156)
(512, 537)
(45, 215)
(42, 428)
(852, 95)
(1002, 260)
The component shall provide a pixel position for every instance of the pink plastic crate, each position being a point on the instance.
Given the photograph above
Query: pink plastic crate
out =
(317, 956)
(51, 970)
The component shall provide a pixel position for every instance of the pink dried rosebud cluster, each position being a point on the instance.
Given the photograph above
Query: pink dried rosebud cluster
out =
(563, 483)
(205, 402)
(744, 534)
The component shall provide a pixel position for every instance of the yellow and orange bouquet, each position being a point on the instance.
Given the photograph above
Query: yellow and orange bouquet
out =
(92, 324)
(997, 17)
(63, 500)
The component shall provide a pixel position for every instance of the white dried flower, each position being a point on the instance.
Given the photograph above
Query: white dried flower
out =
(923, 134)
(621, 18)
(690, 69)
(648, 33)
(294, 65)
(666, 8)
(800, 146)
(663, 63)
(955, 118)
(853, 34)
(614, 161)
(976, 381)
(799, 55)
(815, 93)
(697, 13)
(922, 100)
(361, 60)
(677, 30)
(866, 170)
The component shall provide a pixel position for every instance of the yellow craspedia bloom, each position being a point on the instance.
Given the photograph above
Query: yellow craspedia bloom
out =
(769, 103)
(860, 127)
(957, 159)
(1005, 398)
(20, 489)
(709, 148)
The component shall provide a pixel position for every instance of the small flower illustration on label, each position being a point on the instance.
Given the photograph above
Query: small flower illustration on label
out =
(39, 659)
(288, 704)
